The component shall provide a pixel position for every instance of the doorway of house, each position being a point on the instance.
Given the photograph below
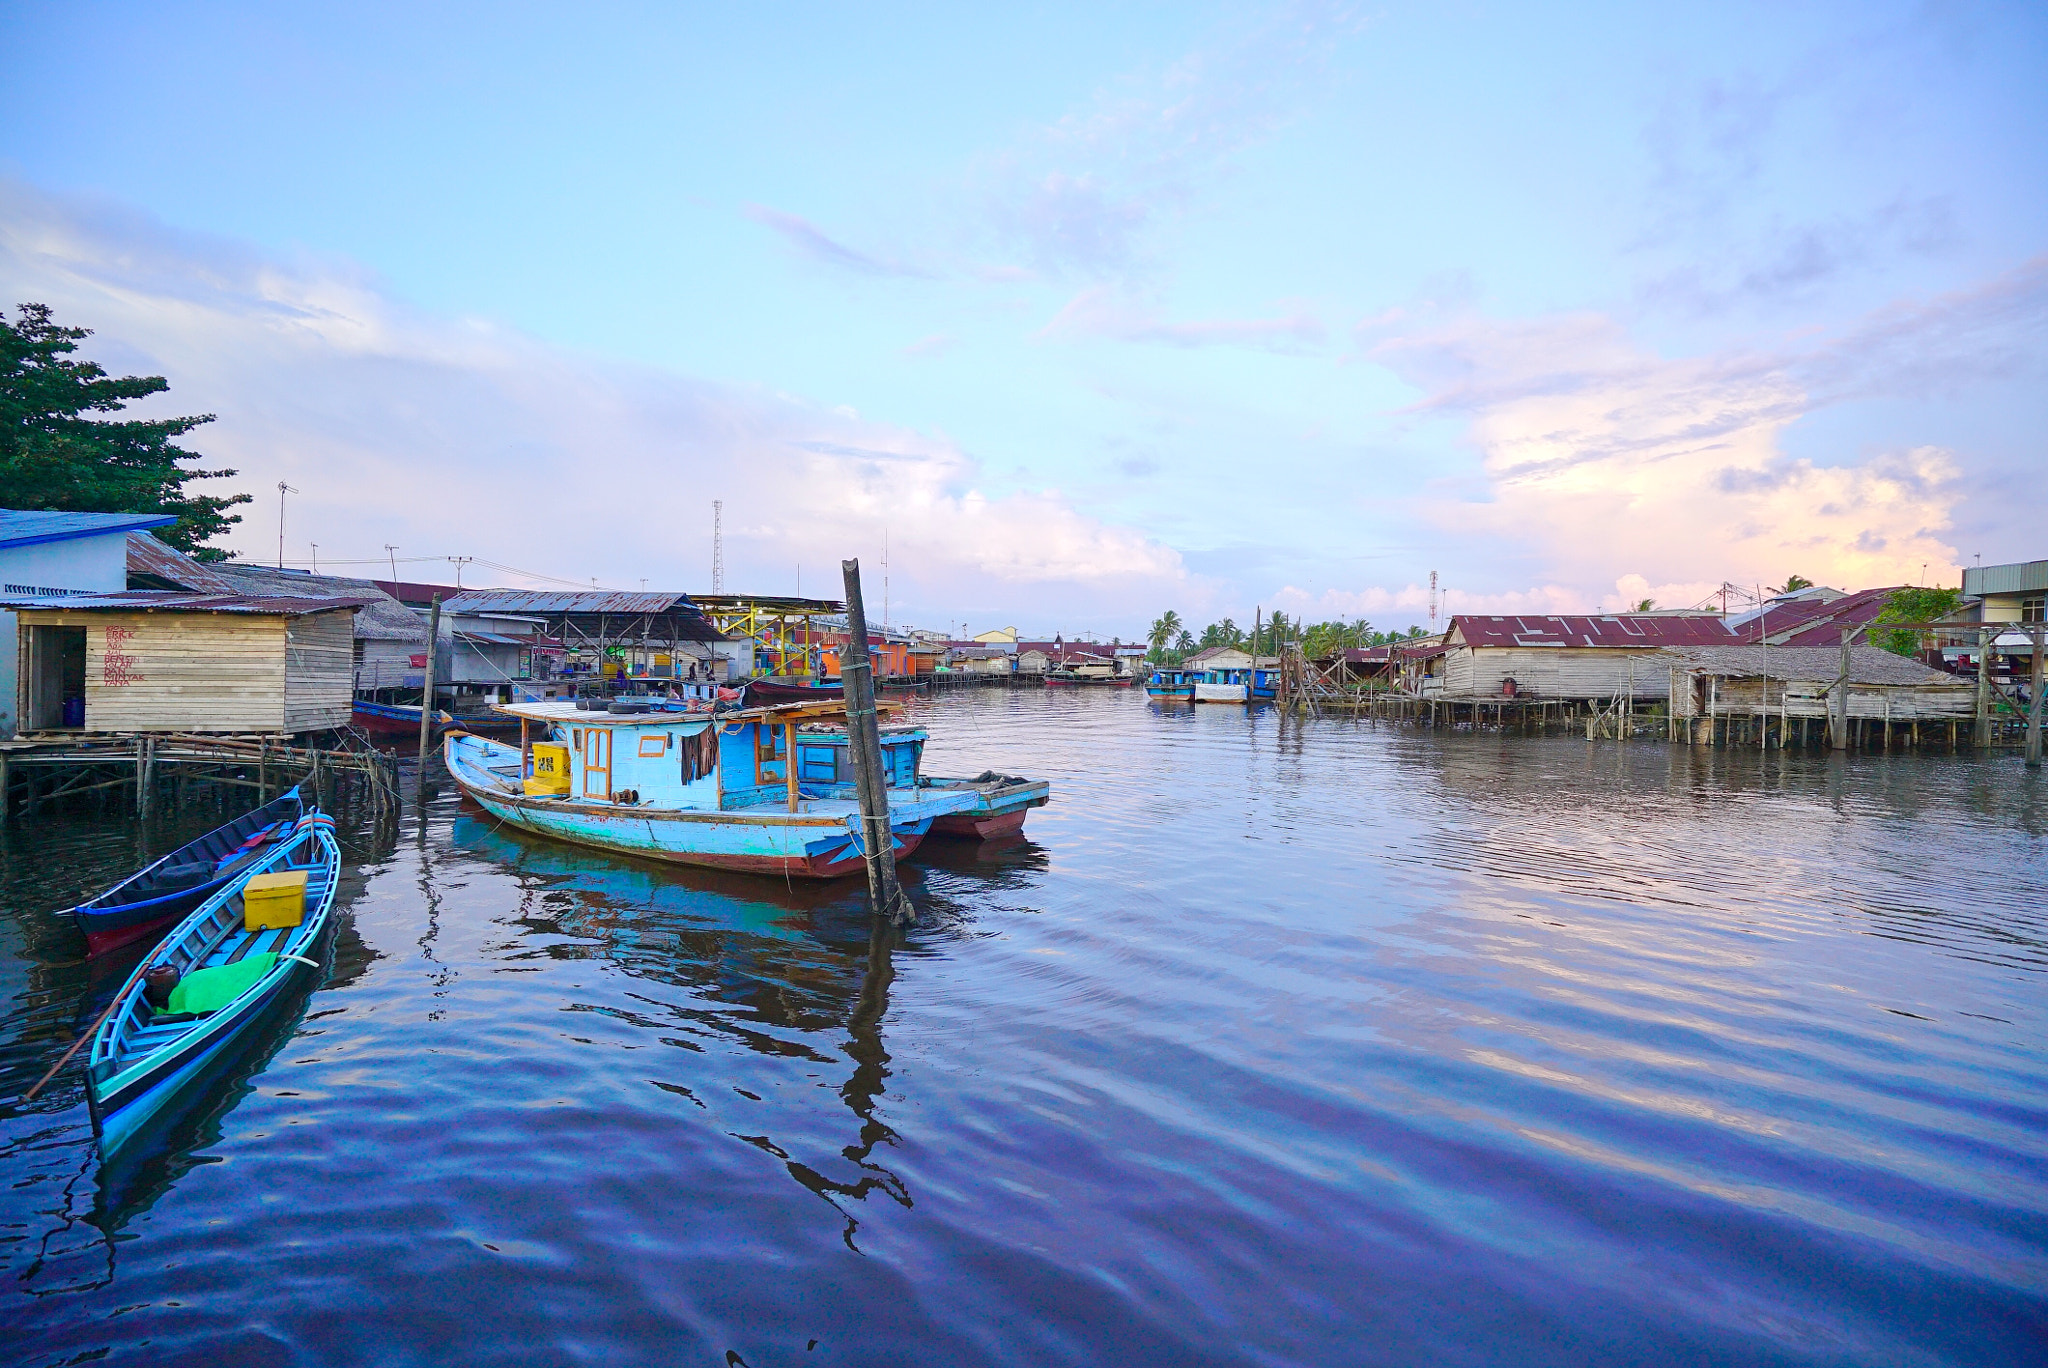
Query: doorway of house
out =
(56, 678)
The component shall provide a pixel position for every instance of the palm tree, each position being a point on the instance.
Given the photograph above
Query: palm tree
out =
(1164, 628)
(1184, 643)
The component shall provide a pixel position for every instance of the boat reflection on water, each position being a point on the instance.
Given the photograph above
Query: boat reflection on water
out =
(779, 968)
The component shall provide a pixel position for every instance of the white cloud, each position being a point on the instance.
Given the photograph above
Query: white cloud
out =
(459, 437)
(1614, 461)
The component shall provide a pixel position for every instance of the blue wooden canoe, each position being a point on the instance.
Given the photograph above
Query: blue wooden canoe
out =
(143, 1058)
(160, 893)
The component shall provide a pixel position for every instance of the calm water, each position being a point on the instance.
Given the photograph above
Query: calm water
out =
(1274, 1043)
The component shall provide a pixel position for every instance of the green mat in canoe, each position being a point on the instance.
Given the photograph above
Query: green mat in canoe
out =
(209, 990)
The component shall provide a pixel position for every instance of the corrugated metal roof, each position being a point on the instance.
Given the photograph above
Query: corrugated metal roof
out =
(26, 527)
(150, 557)
(724, 603)
(2021, 577)
(1640, 631)
(173, 601)
(1817, 624)
(566, 601)
(383, 618)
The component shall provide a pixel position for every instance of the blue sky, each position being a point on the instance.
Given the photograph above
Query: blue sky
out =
(1090, 311)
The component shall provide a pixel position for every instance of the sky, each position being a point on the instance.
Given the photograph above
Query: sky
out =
(1074, 313)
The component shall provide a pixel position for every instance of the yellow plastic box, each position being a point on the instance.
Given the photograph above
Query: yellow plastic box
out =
(270, 900)
(550, 777)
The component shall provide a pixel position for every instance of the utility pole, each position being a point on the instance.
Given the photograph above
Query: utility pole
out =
(392, 552)
(1981, 731)
(459, 562)
(2034, 702)
(427, 691)
(1841, 728)
(718, 546)
(282, 490)
(316, 558)
(878, 844)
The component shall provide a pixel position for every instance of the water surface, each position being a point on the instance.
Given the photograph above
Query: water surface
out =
(1274, 1042)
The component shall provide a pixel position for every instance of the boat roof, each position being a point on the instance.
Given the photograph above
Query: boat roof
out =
(808, 710)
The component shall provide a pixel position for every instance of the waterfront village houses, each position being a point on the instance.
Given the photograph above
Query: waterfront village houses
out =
(44, 555)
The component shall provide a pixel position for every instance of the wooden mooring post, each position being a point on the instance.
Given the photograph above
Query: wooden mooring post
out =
(427, 689)
(864, 737)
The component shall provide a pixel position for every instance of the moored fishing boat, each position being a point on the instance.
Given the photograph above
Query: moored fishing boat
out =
(715, 790)
(192, 999)
(166, 889)
(1222, 686)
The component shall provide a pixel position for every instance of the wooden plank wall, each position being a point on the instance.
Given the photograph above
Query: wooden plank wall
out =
(178, 671)
(1809, 698)
(211, 672)
(1555, 672)
(319, 674)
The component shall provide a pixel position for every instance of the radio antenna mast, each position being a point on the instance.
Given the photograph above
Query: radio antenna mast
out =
(718, 546)
(1432, 603)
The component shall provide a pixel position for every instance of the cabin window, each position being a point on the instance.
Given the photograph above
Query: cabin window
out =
(653, 747)
(576, 737)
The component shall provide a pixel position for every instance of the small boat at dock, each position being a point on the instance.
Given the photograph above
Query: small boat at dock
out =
(394, 719)
(194, 998)
(767, 790)
(1222, 686)
(168, 888)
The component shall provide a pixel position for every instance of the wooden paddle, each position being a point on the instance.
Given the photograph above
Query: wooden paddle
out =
(29, 1096)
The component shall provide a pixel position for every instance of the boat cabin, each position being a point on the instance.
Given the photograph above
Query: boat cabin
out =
(693, 760)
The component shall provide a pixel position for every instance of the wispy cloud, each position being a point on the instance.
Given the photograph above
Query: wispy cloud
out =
(1672, 470)
(460, 436)
(1100, 311)
(1081, 195)
(815, 243)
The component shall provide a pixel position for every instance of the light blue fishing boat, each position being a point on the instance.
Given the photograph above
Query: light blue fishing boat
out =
(720, 791)
(146, 1054)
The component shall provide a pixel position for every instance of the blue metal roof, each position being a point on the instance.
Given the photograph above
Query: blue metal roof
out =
(21, 527)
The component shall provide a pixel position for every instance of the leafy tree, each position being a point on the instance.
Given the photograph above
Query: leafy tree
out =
(1224, 633)
(1644, 606)
(1911, 604)
(53, 456)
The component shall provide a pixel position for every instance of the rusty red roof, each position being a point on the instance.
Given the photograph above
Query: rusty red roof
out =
(1817, 624)
(1639, 630)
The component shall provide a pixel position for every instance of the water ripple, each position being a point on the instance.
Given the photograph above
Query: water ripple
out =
(1278, 1041)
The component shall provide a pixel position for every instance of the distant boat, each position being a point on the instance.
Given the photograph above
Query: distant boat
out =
(793, 690)
(1172, 684)
(168, 888)
(1062, 677)
(393, 719)
(720, 792)
(143, 1055)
